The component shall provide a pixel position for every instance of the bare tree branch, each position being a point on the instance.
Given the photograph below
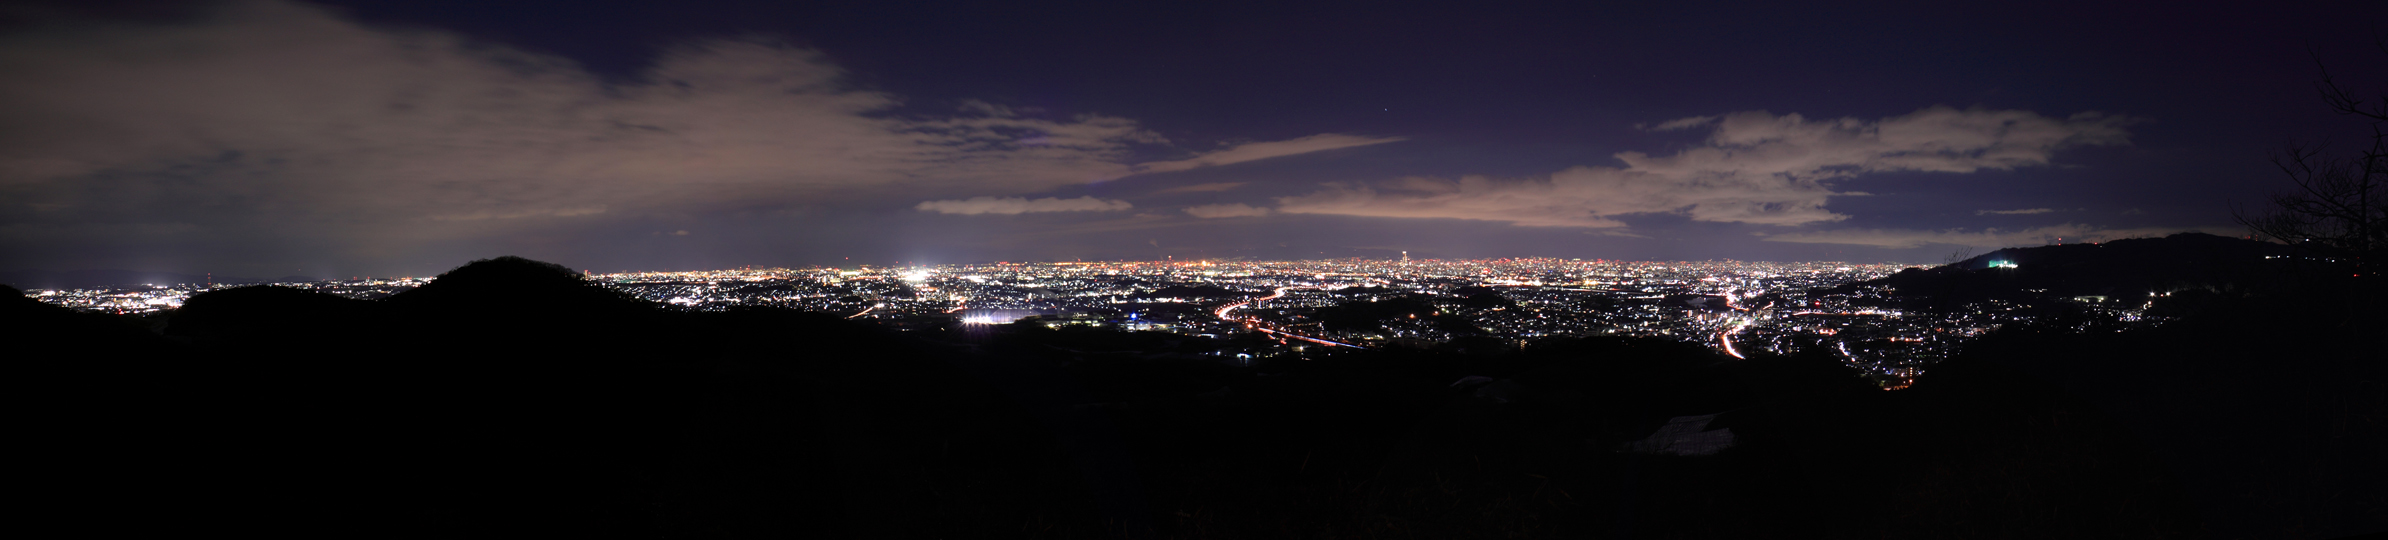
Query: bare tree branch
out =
(2335, 210)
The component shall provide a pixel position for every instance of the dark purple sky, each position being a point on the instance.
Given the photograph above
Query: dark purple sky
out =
(272, 138)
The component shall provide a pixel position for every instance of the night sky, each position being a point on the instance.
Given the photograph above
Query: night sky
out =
(274, 138)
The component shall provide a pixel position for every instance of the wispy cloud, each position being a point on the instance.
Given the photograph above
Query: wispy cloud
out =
(1021, 205)
(1755, 167)
(1683, 123)
(2014, 212)
(1909, 238)
(519, 214)
(1225, 211)
(1264, 150)
(1202, 188)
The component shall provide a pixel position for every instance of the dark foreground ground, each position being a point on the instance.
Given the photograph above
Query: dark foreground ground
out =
(454, 410)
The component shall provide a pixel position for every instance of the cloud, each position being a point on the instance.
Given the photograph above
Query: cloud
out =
(1202, 188)
(1020, 205)
(2013, 212)
(1225, 211)
(1755, 167)
(1264, 150)
(556, 212)
(262, 120)
(1684, 123)
(1909, 238)
(406, 123)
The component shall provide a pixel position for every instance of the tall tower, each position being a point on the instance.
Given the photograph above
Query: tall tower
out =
(1405, 256)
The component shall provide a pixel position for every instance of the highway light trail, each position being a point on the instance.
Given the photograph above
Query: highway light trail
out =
(1726, 337)
(1308, 338)
(1226, 313)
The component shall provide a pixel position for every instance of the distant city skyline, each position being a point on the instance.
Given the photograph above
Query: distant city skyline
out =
(1257, 309)
(1552, 299)
(267, 138)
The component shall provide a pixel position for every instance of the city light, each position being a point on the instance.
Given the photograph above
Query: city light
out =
(1741, 309)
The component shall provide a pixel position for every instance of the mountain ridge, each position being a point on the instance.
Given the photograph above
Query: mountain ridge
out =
(2129, 270)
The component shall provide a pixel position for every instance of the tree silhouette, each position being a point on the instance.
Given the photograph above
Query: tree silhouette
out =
(2336, 211)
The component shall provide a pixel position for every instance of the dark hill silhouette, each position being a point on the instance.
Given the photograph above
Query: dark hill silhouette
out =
(265, 313)
(57, 332)
(2269, 359)
(2127, 270)
(515, 315)
(1482, 298)
(512, 398)
(2264, 406)
(515, 284)
(1360, 315)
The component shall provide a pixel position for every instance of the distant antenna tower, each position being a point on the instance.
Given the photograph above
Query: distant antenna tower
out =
(1405, 256)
